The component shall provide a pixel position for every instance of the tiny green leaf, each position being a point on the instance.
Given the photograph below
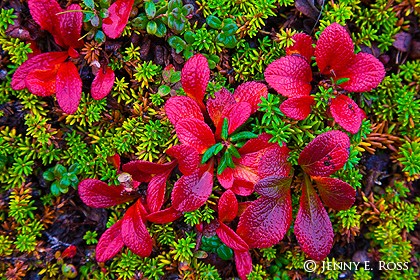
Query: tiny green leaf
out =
(233, 151)
(223, 163)
(210, 152)
(151, 27)
(244, 135)
(342, 80)
(48, 175)
(225, 129)
(224, 252)
(214, 22)
(90, 4)
(150, 9)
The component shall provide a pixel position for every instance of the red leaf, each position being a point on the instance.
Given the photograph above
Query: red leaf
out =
(334, 50)
(182, 107)
(325, 154)
(216, 105)
(265, 222)
(44, 12)
(115, 160)
(195, 133)
(335, 193)
(119, 12)
(97, 194)
(243, 262)
(273, 186)
(191, 192)
(244, 187)
(188, 158)
(251, 92)
(297, 108)
(110, 243)
(290, 76)
(274, 161)
(302, 46)
(226, 178)
(164, 216)
(69, 252)
(237, 114)
(134, 232)
(230, 238)
(42, 82)
(142, 171)
(103, 82)
(227, 206)
(256, 144)
(41, 62)
(68, 87)
(195, 76)
(156, 191)
(313, 227)
(365, 72)
(346, 113)
(71, 26)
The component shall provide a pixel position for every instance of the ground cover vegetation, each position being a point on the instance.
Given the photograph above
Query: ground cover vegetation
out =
(209, 139)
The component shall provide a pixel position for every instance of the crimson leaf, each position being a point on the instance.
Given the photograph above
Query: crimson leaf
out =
(230, 238)
(227, 206)
(182, 107)
(110, 243)
(290, 76)
(251, 92)
(119, 13)
(297, 108)
(68, 87)
(195, 133)
(195, 76)
(346, 113)
(134, 232)
(102, 83)
(335, 193)
(164, 216)
(243, 262)
(302, 46)
(156, 191)
(97, 194)
(325, 154)
(71, 26)
(313, 227)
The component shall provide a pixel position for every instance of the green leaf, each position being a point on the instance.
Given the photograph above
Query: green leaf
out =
(140, 22)
(55, 189)
(224, 252)
(151, 27)
(189, 37)
(244, 135)
(74, 168)
(88, 16)
(161, 29)
(100, 36)
(64, 182)
(177, 43)
(214, 22)
(59, 170)
(49, 175)
(175, 77)
(164, 90)
(227, 41)
(233, 151)
(211, 152)
(342, 80)
(225, 127)
(90, 4)
(150, 9)
(223, 164)
(104, 13)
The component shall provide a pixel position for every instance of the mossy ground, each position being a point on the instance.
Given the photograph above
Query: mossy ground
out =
(38, 221)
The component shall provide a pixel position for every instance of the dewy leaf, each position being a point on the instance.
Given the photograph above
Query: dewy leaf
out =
(216, 105)
(230, 238)
(266, 221)
(71, 26)
(156, 191)
(191, 192)
(134, 232)
(227, 206)
(251, 92)
(142, 171)
(182, 107)
(335, 193)
(97, 194)
(119, 12)
(334, 50)
(68, 87)
(102, 83)
(313, 227)
(243, 262)
(297, 108)
(366, 72)
(346, 113)
(290, 76)
(41, 62)
(195, 133)
(325, 154)
(44, 12)
(188, 158)
(302, 46)
(195, 76)
(110, 243)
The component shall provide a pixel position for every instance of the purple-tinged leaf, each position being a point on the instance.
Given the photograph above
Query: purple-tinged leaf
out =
(335, 193)
(110, 243)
